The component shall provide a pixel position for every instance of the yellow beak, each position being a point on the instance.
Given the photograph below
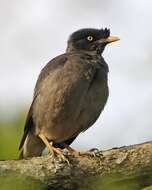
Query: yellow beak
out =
(111, 39)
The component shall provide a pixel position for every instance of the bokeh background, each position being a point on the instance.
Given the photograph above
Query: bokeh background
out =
(32, 32)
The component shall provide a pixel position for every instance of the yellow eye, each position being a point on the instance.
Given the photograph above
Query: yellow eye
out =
(90, 38)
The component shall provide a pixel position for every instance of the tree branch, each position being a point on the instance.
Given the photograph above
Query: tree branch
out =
(129, 164)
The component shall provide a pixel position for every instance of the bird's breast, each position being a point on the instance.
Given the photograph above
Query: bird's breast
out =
(70, 99)
(95, 100)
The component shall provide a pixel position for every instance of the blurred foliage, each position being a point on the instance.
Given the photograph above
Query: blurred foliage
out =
(10, 133)
(148, 188)
(114, 182)
(14, 182)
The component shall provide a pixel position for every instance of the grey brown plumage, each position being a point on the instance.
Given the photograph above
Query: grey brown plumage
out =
(70, 94)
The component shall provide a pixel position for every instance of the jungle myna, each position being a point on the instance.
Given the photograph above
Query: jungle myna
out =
(70, 93)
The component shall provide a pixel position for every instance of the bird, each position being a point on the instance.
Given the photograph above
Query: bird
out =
(69, 95)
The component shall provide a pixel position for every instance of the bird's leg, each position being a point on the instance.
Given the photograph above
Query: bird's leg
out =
(87, 152)
(72, 151)
(48, 145)
(52, 149)
(75, 153)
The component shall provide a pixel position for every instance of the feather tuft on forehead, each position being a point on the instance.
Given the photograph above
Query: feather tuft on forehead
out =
(105, 32)
(96, 33)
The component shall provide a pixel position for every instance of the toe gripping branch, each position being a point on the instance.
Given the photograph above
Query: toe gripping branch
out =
(52, 149)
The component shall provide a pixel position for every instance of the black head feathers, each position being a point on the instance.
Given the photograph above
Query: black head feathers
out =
(105, 33)
(96, 33)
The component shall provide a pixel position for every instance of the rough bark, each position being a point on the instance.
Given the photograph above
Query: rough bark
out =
(129, 164)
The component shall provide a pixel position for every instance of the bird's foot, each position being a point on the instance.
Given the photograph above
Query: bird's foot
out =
(92, 152)
(71, 151)
(59, 152)
(52, 150)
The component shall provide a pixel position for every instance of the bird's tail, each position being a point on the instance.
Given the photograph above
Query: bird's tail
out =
(33, 146)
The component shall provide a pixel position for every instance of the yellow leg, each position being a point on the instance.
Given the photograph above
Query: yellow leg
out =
(48, 145)
(71, 150)
(52, 149)
(75, 153)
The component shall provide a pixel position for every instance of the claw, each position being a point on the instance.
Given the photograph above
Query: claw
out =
(54, 150)
(60, 153)
(88, 153)
(76, 154)
(72, 151)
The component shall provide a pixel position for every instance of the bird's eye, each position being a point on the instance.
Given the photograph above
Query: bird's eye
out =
(90, 38)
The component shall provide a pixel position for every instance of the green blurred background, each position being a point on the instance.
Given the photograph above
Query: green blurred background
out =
(10, 135)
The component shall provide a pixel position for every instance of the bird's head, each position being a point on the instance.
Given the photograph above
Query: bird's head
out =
(90, 39)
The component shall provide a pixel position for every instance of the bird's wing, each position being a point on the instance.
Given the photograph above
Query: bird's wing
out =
(51, 66)
(28, 125)
(54, 64)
